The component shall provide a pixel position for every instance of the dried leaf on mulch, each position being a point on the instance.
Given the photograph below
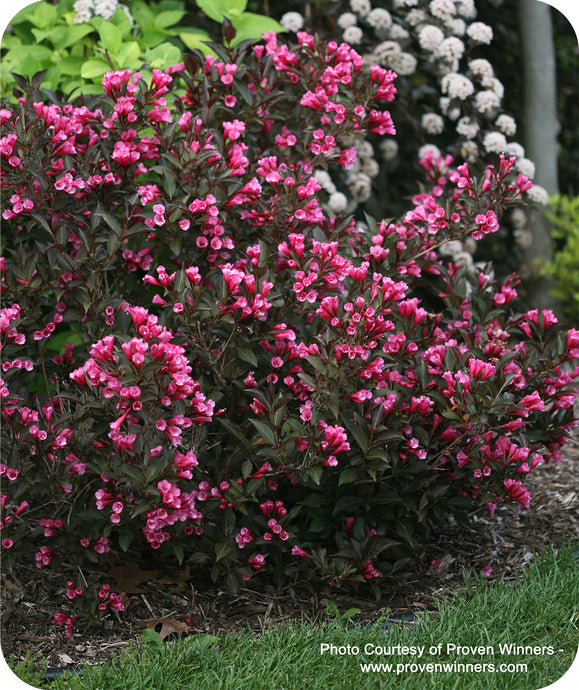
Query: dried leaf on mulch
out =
(129, 577)
(168, 626)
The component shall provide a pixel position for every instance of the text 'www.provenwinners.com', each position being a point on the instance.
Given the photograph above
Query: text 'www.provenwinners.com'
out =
(400, 659)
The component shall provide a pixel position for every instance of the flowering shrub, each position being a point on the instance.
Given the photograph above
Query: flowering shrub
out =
(202, 359)
(450, 101)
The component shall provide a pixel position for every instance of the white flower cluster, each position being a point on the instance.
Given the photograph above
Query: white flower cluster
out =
(506, 124)
(449, 108)
(428, 148)
(432, 123)
(487, 103)
(467, 127)
(416, 17)
(324, 180)
(526, 167)
(457, 86)
(515, 149)
(451, 49)
(389, 54)
(404, 64)
(360, 187)
(430, 37)
(443, 9)
(379, 19)
(524, 238)
(479, 32)
(465, 8)
(85, 9)
(495, 142)
(337, 202)
(481, 68)
(538, 195)
(360, 7)
(440, 35)
(458, 253)
(401, 4)
(469, 150)
(353, 35)
(292, 21)
(346, 20)
(389, 149)
(518, 218)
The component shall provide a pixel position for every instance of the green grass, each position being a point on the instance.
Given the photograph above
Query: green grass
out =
(539, 610)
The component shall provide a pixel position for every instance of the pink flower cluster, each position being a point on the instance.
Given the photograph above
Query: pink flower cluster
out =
(109, 599)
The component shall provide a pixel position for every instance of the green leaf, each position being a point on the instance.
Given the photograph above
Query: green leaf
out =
(128, 55)
(163, 56)
(20, 53)
(251, 25)
(234, 430)
(165, 19)
(195, 40)
(265, 431)
(315, 474)
(112, 222)
(178, 551)
(348, 475)
(404, 531)
(42, 14)
(57, 342)
(125, 539)
(215, 9)
(110, 37)
(357, 432)
(247, 355)
(74, 34)
(151, 638)
(122, 22)
(222, 550)
(94, 68)
(71, 65)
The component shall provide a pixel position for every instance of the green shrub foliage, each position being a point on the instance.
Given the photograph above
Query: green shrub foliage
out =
(563, 213)
(78, 41)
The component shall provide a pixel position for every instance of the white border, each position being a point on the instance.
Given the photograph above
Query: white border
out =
(570, 9)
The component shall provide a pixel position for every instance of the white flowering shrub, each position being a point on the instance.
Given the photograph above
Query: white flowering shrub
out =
(449, 100)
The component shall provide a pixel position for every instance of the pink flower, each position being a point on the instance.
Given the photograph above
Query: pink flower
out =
(487, 223)
(233, 130)
(298, 551)
(516, 491)
(530, 403)
(480, 369)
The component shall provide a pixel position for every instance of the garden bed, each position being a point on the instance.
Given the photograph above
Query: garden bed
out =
(505, 542)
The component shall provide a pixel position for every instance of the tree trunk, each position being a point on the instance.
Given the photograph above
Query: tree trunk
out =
(540, 136)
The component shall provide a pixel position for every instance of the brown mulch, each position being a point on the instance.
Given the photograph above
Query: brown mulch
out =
(169, 602)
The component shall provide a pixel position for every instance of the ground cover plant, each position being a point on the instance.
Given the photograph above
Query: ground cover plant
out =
(204, 361)
(534, 612)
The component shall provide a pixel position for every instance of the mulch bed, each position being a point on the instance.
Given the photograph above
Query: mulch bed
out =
(169, 602)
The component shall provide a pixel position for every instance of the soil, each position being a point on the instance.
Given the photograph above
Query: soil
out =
(169, 602)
